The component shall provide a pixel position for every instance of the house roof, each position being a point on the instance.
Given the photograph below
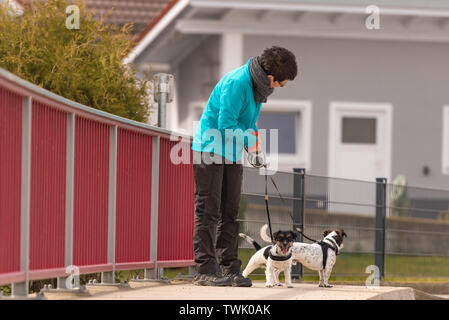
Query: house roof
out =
(187, 20)
(140, 12)
(417, 4)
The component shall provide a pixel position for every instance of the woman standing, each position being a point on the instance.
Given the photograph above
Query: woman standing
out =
(227, 125)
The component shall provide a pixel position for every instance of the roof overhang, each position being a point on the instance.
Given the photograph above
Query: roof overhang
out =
(189, 21)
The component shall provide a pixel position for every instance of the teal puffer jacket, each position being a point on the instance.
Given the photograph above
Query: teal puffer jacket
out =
(229, 119)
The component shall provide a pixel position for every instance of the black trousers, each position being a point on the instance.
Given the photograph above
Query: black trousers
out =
(217, 200)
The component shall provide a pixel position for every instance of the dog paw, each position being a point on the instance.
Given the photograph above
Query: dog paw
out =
(289, 286)
(278, 284)
(269, 285)
(327, 285)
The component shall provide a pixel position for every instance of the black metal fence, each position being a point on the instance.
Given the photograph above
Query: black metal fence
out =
(402, 230)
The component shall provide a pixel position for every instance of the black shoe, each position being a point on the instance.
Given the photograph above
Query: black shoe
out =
(212, 279)
(238, 280)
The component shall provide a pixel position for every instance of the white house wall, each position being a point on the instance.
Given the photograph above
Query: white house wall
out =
(197, 76)
(411, 76)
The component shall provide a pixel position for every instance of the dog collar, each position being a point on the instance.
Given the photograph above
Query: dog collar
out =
(324, 246)
(268, 253)
(332, 245)
(277, 258)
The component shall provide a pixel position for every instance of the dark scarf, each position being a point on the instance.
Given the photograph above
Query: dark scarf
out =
(261, 83)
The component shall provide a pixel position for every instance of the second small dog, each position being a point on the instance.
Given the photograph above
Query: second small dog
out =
(275, 258)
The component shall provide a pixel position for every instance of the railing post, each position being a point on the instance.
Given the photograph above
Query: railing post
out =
(154, 273)
(21, 289)
(109, 277)
(70, 167)
(299, 205)
(381, 209)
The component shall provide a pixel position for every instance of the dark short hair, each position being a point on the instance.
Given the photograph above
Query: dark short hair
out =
(280, 63)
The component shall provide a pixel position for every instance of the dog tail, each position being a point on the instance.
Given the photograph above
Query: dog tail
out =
(250, 241)
(263, 233)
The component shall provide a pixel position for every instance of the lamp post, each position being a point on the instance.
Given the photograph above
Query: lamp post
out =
(163, 84)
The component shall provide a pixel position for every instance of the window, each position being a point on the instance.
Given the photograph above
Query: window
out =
(446, 140)
(293, 119)
(287, 125)
(358, 130)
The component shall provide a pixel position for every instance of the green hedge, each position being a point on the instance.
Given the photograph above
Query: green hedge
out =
(84, 65)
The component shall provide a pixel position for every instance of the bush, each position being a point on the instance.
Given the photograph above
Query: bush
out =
(84, 65)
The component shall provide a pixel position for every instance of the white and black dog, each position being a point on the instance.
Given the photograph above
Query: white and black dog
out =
(275, 258)
(320, 256)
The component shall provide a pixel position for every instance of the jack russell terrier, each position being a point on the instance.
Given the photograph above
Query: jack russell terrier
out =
(320, 256)
(275, 258)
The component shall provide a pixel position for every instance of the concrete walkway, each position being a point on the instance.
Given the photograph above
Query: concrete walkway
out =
(187, 291)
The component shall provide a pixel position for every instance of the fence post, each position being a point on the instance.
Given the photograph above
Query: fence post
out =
(21, 289)
(381, 209)
(299, 205)
(70, 167)
(109, 277)
(154, 273)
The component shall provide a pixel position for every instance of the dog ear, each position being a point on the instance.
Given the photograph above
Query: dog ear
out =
(338, 238)
(325, 233)
(293, 234)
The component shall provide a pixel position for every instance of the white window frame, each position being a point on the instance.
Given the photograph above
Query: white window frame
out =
(445, 147)
(303, 125)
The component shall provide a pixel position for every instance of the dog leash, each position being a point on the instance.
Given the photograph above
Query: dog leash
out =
(266, 204)
(259, 165)
(300, 231)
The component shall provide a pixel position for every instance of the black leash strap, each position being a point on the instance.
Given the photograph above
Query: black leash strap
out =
(280, 196)
(266, 196)
(266, 204)
(300, 231)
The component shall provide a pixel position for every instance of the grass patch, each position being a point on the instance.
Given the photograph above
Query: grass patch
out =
(351, 267)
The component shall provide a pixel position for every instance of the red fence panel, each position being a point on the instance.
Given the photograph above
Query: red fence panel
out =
(48, 187)
(10, 180)
(133, 213)
(176, 207)
(91, 185)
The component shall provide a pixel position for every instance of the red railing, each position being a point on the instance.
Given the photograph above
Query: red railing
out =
(10, 173)
(133, 218)
(91, 179)
(82, 187)
(175, 232)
